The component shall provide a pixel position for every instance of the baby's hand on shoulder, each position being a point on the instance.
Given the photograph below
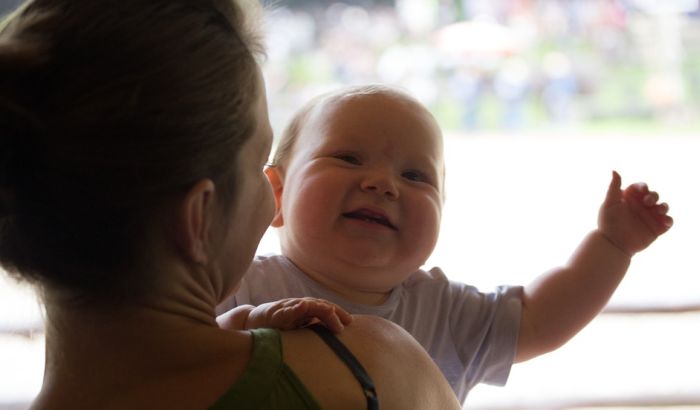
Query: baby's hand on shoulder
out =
(632, 219)
(286, 314)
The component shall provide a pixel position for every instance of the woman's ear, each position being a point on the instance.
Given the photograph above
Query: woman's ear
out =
(274, 175)
(195, 218)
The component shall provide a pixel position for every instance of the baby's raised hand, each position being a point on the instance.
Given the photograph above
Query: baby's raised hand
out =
(286, 314)
(632, 219)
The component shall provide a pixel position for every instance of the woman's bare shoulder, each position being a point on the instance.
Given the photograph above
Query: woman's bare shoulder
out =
(404, 375)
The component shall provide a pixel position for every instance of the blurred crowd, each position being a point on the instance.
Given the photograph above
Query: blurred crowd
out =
(498, 64)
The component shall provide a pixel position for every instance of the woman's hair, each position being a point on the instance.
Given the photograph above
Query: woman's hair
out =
(107, 109)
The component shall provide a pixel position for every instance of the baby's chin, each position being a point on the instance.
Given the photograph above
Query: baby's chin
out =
(363, 289)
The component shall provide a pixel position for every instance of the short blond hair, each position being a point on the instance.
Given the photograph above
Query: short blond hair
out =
(285, 146)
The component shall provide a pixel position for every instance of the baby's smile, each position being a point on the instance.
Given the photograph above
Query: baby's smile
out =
(367, 215)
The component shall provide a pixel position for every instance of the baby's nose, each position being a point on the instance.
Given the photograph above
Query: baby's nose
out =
(381, 183)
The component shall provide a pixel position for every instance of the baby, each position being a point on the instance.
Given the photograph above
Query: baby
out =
(358, 180)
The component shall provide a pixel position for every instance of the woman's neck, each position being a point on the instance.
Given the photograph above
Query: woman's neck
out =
(137, 338)
(118, 338)
(125, 358)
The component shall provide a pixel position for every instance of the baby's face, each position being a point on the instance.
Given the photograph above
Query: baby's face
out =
(362, 196)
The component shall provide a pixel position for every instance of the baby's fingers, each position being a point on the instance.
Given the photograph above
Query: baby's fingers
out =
(310, 310)
(650, 199)
(644, 204)
(639, 191)
(330, 315)
(614, 194)
(662, 215)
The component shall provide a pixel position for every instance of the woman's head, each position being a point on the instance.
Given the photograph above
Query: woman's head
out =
(107, 110)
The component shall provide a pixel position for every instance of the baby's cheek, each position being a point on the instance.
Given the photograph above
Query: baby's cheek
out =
(426, 228)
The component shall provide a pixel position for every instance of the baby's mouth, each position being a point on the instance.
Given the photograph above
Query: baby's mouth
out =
(370, 216)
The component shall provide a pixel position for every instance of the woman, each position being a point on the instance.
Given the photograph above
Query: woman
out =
(134, 134)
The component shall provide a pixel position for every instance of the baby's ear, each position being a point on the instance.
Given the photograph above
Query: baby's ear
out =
(274, 175)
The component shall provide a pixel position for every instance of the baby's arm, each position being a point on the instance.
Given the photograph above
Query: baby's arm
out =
(561, 302)
(285, 314)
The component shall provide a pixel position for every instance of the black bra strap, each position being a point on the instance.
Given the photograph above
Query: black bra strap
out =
(349, 359)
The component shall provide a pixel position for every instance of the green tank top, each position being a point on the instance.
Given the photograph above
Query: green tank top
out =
(268, 383)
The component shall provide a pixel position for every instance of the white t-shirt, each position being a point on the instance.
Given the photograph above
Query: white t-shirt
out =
(472, 336)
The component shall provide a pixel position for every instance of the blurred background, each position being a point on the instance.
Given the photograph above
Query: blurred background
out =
(539, 100)
(501, 65)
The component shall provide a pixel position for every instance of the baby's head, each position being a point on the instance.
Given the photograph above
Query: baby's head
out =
(358, 180)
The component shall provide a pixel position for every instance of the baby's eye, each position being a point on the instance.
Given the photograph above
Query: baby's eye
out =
(412, 175)
(349, 158)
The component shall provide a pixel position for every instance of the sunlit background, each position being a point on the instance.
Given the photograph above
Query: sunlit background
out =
(539, 101)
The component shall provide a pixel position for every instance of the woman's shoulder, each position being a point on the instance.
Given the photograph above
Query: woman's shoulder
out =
(267, 381)
(404, 375)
